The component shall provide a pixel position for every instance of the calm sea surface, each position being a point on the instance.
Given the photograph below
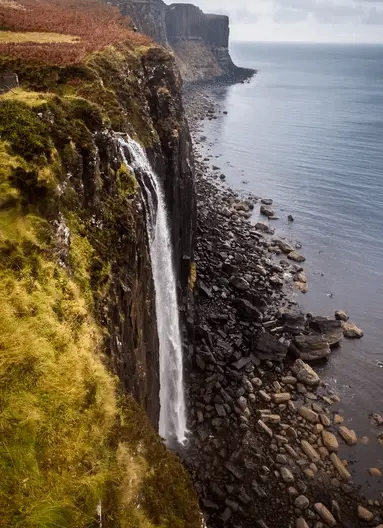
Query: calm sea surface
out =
(307, 132)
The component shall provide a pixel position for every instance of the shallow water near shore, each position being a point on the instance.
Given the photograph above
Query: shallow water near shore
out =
(307, 132)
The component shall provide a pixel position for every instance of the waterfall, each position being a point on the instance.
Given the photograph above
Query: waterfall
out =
(172, 402)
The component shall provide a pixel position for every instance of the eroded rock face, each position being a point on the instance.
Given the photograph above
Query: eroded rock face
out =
(200, 41)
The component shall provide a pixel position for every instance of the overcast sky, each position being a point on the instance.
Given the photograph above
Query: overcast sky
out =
(300, 20)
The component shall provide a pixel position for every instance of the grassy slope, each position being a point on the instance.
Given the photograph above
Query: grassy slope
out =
(66, 439)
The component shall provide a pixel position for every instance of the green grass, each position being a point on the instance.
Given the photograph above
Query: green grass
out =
(67, 438)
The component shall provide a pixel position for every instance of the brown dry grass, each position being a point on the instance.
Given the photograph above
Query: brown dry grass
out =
(97, 25)
(31, 36)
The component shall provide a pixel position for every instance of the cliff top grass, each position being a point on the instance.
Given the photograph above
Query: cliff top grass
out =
(31, 36)
(73, 29)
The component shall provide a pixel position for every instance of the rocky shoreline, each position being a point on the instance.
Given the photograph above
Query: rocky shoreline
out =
(265, 432)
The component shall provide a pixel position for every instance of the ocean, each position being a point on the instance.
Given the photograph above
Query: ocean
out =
(307, 131)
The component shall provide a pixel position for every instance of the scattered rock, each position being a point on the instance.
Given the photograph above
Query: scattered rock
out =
(308, 414)
(286, 475)
(305, 373)
(341, 316)
(324, 514)
(267, 201)
(364, 514)
(351, 331)
(339, 466)
(266, 346)
(311, 347)
(310, 451)
(301, 502)
(348, 435)
(296, 257)
(330, 441)
(375, 472)
(267, 211)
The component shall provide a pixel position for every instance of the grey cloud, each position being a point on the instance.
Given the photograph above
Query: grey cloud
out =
(289, 16)
(374, 16)
(239, 16)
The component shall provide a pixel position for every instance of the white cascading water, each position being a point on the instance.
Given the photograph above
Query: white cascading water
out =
(172, 400)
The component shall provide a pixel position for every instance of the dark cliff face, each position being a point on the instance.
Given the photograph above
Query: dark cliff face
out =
(139, 94)
(200, 41)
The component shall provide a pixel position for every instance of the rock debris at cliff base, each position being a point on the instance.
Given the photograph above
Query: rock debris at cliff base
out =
(266, 438)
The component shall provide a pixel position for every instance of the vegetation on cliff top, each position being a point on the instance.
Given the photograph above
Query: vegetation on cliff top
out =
(87, 26)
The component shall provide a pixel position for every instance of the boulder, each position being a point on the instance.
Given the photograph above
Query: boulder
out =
(308, 414)
(294, 322)
(267, 347)
(351, 331)
(348, 435)
(229, 269)
(364, 514)
(341, 315)
(264, 228)
(284, 246)
(303, 287)
(296, 257)
(268, 211)
(239, 283)
(324, 514)
(247, 310)
(330, 441)
(309, 451)
(331, 329)
(311, 347)
(266, 201)
(305, 374)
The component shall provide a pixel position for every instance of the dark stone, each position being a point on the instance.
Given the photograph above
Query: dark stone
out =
(241, 363)
(229, 269)
(239, 283)
(267, 347)
(311, 347)
(204, 290)
(209, 505)
(294, 322)
(329, 327)
(234, 470)
(247, 310)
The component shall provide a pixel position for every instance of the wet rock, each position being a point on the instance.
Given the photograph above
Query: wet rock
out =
(351, 331)
(267, 347)
(348, 435)
(281, 397)
(331, 329)
(339, 466)
(305, 373)
(266, 210)
(229, 269)
(301, 523)
(265, 397)
(330, 441)
(375, 472)
(302, 502)
(376, 419)
(308, 414)
(310, 451)
(240, 284)
(266, 201)
(364, 514)
(265, 429)
(284, 246)
(290, 218)
(338, 419)
(324, 514)
(296, 257)
(286, 475)
(341, 316)
(234, 470)
(247, 310)
(311, 347)
(264, 228)
(294, 322)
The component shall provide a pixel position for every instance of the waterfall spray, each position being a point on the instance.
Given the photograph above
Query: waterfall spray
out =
(172, 401)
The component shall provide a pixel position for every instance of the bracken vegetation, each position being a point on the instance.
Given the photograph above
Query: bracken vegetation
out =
(95, 24)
